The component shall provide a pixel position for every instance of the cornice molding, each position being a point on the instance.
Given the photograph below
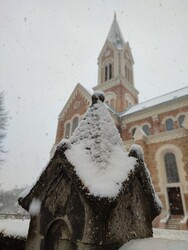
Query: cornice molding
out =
(115, 82)
(167, 136)
(162, 137)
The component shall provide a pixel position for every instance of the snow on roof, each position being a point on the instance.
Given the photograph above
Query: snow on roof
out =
(156, 101)
(98, 154)
(115, 36)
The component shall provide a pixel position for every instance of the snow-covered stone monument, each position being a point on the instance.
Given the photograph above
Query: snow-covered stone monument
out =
(92, 195)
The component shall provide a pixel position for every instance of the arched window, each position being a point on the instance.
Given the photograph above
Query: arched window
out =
(129, 100)
(171, 168)
(112, 102)
(110, 71)
(169, 124)
(133, 131)
(146, 129)
(74, 124)
(128, 74)
(67, 130)
(180, 120)
(110, 99)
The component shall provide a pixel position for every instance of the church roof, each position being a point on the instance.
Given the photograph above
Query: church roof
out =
(115, 36)
(157, 101)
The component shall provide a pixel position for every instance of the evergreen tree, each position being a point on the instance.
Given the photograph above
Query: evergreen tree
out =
(3, 123)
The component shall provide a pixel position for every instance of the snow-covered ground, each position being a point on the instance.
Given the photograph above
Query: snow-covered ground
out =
(14, 227)
(163, 239)
(155, 244)
(171, 234)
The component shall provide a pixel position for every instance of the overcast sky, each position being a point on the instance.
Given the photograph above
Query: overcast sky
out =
(48, 46)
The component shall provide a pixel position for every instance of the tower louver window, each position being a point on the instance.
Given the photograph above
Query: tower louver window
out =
(108, 72)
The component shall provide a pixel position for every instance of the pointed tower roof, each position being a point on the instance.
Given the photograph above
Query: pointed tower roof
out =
(115, 36)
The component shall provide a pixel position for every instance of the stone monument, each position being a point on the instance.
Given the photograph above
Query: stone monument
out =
(93, 194)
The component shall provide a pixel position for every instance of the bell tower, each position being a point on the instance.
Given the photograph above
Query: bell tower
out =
(115, 71)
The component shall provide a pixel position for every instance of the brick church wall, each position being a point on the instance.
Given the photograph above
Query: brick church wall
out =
(71, 110)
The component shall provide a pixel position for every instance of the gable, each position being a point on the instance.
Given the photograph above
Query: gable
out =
(77, 105)
(83, 94)
(128, 54)
(106, 52)
(72, 112)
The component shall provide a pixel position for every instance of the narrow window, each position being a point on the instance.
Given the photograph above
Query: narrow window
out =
(171, 168)
(180, 120)
(130, 76)
(110, 71)
(67, 130)
(169, 124)
(112, 102)
(74, 124)
(146, 129)
(106, 73)
(126, 72)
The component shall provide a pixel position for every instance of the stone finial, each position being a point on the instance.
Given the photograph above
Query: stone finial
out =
(114, 14)
(97, 95)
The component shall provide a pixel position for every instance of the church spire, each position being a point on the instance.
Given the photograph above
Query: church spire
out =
(115, 36)
(115, 70)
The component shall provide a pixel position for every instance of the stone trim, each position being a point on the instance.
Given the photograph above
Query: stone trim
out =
(166, 136)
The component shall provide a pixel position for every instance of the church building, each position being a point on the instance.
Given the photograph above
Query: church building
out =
(159, 125)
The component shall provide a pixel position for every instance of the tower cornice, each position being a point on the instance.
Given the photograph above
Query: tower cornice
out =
(115, 82)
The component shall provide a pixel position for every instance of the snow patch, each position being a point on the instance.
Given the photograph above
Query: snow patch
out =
(34, 207)
(65, 142)
(103, 180)
(139, 151)
(99, 93)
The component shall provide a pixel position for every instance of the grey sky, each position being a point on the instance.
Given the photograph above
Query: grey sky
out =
(47, 47)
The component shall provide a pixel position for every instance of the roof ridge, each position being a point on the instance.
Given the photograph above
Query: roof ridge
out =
(161, 95)
(156, 101)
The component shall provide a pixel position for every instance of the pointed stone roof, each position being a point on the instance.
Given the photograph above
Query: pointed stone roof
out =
(115, 36)
(97, 151)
